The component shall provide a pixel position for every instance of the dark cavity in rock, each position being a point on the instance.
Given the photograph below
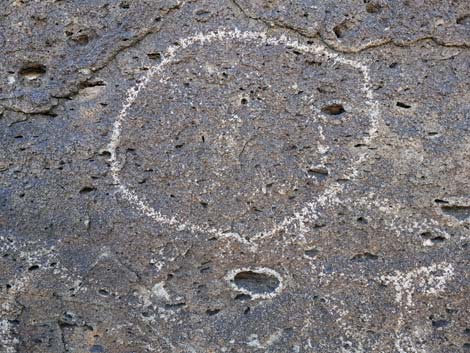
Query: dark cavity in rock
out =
(257, 283)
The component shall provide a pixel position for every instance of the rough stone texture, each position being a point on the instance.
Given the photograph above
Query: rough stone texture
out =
(294, 179)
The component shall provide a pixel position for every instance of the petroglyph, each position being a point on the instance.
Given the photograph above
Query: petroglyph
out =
(308, 211)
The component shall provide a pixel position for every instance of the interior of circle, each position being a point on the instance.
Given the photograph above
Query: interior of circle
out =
(216, 142)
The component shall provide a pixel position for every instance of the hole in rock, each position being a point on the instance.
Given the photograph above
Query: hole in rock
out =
(97, 349)
(106, 154)
(33, 71)
(361, 220)
(202, 12)
(440, 323)
(464, 20)
(213, 312)
(333, 109)
(311, 252)
(435, 239)
(343, 28)
(103, 292)
(373, 7)
(461, 213)
(33, 268)
(87, 189)
(441, 201)
(174, 306)
(242, 297)
(82, 39)
(367, 256)
(318, 172)
(403, 105)
(256, 282)
(92, 83)
(154, 56)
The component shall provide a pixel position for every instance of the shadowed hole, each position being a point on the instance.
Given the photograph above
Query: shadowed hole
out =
(213, 312)
(175, 306)
(154, 56)
(462, 213)
(311, 252)
(367, 256)
(258, 283)
(33, 71)
(373, 7)
(435, 239)
(333, 109)
(33, 268)
(97, 349)
(318, 172)
(441, 201)
(87, 189)
(82, 39)
(464, 20)
(242, 297)
(440, 323)
(343, 28)
(403, 105)
(104, 292)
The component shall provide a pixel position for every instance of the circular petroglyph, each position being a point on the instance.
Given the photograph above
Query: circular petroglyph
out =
(241, 134)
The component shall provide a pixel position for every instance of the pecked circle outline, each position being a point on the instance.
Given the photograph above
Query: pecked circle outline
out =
(309, 209)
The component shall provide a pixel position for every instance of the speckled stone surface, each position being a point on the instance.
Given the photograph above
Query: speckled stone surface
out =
(234, 176)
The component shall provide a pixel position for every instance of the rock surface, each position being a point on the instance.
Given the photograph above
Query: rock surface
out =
(234, 176)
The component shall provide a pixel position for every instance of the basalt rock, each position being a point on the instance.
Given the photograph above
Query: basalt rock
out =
(234, 176)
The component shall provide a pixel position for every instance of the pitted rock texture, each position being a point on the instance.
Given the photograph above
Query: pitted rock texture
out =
(259, 197)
